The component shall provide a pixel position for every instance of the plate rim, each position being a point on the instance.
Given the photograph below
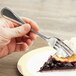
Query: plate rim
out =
(33, 52)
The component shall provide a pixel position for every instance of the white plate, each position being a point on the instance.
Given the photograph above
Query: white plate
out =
(30, 63)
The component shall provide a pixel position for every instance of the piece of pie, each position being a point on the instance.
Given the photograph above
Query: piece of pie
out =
(59, 63)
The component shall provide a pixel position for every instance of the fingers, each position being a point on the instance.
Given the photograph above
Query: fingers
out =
(19, 31)
(32, 23)
(24, 46)
(29, 42)
(22, 39)
(21, 47)
(23, 29)
(31, 36)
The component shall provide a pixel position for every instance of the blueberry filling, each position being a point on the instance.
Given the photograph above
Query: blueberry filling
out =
(53, 64)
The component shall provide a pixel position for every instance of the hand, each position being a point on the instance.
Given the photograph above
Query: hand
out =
(12, 33)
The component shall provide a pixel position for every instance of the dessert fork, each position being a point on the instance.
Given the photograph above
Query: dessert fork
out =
(54, 42)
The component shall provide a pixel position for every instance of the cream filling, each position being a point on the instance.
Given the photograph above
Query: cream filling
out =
(71, 43)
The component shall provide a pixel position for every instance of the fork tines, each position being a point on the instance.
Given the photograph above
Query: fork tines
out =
(64, 47)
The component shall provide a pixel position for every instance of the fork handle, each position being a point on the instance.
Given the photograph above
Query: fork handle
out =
(9, 14)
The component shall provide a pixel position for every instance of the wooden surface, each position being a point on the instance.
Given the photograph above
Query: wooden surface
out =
(54, 17)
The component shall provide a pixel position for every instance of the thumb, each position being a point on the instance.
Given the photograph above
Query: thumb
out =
(19, 31)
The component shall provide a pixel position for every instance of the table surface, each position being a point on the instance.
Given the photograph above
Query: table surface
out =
(54, 17)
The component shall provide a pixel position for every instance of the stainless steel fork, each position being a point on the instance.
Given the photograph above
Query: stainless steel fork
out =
(54, 42)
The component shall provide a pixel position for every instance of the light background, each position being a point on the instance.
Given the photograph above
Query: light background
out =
(54, 17)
